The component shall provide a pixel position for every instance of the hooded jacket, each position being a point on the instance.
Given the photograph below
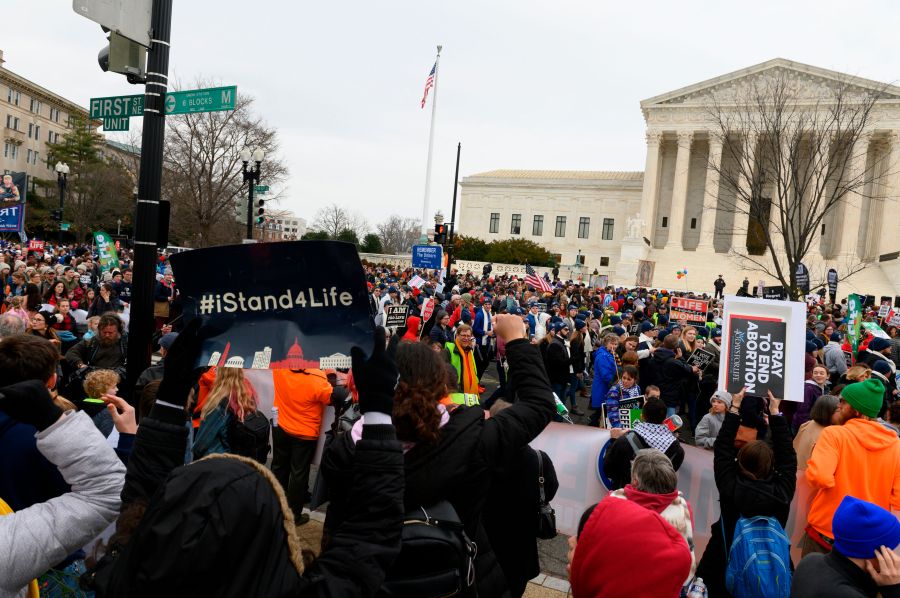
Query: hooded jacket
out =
(668, 373)
(413, 323)
(860, 458)
(740, 496)
(605, 373)
(811, 392)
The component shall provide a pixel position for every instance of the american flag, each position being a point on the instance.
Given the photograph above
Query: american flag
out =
(533, 280)
(429, 83)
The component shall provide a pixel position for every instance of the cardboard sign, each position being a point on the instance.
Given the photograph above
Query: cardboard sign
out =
(884, 310)
(763, 345)
(396, 315)
(774, 293)
(630, 411)
(701, 358)
(273, 305)
(416, 281)
(895, 321)
(848, 358)
(690, 310)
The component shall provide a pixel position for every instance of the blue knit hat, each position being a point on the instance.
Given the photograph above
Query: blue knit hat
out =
(810, 346)
(579, 324)
(646, 325)
(860, 528)
(615, 320)
(836, 337)
(618, 330)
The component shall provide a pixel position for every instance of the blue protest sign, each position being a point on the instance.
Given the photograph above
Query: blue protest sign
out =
(427, 256)
(11, 217)
(295, 305)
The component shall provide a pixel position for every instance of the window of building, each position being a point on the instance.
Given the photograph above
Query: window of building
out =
(584, 227)
(70, 122)
(665, 221)
(495, 222)
(537, 227)
(13, 96)
(515, 225)
(35, 106)
(604, 261)
(608, 226)
(579, 259)
(56, 138)
(10, 150)
(37, 132)
(693, 223)
(560, 226)
(30, 129)
(54, 114)
(12, 122)
(28, 157)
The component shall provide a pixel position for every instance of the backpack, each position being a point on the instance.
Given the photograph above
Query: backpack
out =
(436, 557)
(250, 438)
(759, 561)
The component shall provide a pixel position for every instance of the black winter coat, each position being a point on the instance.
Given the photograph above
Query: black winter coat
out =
(223, 509)
(620, 454)
(668, 373)
(558, 361)
(458, 467)
(742, 497)
(835, 576)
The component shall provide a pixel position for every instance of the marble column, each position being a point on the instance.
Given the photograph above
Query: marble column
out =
(879, 193)
(679, 190)
(782, 195)
(826, 247)
(742, 195)
(710, 195)
(853, 200)
(650, 192)
(889, 240)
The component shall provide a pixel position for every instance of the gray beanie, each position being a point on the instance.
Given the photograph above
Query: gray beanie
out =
(722, 395)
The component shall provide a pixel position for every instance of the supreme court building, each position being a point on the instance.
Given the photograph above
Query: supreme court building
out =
(671, 215)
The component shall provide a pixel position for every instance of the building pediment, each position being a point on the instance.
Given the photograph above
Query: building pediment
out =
(808, 82)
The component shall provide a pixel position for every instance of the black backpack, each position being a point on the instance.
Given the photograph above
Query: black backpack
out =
(250, 438)
(436, 557)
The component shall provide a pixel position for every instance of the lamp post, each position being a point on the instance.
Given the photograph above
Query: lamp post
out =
(62, 174)
(251, 177)
(118, 227)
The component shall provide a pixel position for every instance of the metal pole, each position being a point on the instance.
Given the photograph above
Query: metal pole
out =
(146, 224)
(453, 210)
(250, 185)
(425, 223)
(61, 178)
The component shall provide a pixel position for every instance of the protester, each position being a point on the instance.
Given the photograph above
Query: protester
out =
(625, 388)
(709, 427)
(813, 388)
(230, 401)
(605, 374)
(460, 353)
(821, 416)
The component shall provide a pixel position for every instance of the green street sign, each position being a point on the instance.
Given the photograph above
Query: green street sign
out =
(177, 102)
(261, 189)
(116, 124)
(64, 225)
(201, 100)
(117, 106)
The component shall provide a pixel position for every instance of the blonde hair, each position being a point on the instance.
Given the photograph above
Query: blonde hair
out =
(858, 373)
(98, 382)
(16, 302)
(230, 385)
(692, 345)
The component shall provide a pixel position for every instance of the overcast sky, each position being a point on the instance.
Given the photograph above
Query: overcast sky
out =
(523, 84)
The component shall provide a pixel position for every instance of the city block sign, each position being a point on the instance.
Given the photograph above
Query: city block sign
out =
(272, 305)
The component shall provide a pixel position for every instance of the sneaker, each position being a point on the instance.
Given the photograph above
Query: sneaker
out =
(574, 411)
(302, 519)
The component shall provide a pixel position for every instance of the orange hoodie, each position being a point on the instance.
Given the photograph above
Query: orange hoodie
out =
(860, 458)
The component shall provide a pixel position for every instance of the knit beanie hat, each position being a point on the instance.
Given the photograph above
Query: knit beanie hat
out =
(836, 337)
(646, 325)
(866, 396)
(722, 395)
(860, 528)
(810, 346)
(615, 320)
(598, 563)
(618, 330)
(879, 344)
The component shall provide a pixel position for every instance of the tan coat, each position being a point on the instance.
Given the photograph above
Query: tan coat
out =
(805, 441)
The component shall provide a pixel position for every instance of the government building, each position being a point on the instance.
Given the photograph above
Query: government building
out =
(644, 226)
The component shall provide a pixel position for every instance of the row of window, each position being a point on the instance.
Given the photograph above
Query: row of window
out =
(11, 151)
(35, 106)
(537, 226)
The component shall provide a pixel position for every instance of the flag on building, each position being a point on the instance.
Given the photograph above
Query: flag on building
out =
(429, 83)
(533, 280)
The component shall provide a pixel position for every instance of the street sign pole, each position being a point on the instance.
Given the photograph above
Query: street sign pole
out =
(146, 225)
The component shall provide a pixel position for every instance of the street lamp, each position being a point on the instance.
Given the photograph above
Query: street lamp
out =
(62, 174)
(118, 227)
(251, 176)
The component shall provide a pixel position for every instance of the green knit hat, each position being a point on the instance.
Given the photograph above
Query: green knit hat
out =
(866, 397)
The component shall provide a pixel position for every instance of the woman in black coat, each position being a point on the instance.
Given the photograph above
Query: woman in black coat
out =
(452, 452)
(757, 480)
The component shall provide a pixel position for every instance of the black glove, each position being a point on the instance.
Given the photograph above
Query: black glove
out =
(179, 373)
(30, 403)
(375, 378)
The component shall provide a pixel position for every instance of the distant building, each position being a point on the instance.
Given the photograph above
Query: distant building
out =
(334, 361)
(214, 359)
(235, 361)
(295, 359)
(262, 359)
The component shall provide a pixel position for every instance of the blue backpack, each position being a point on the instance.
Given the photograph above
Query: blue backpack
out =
(759, 562)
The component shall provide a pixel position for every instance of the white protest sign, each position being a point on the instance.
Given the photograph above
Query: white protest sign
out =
(416, 281)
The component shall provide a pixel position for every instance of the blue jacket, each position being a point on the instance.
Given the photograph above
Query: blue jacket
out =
(604, 375)
(532, 324)
(212, 436)
(479, 328)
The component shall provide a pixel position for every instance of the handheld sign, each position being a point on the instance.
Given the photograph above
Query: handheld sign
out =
(884, 310)
(274, 305)
(427, 309)
(690, 310)
(427, 256)
(630, 411)
(396, 315)
(701, 358)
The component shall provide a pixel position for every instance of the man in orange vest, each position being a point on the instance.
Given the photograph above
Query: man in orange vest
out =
(301, 397)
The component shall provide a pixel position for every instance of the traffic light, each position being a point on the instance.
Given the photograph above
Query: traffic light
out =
(440, 233)
(57, 215)
(260, 211)
(129, 34)
(124, 56)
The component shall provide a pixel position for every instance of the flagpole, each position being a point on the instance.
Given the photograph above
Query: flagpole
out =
(434, 92)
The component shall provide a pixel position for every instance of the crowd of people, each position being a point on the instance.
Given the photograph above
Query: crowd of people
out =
(178, 482)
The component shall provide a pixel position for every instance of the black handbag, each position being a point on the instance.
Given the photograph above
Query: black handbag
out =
(546, 528)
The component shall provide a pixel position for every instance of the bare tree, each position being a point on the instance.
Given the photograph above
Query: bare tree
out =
(789, 165)
(203, 177)
(398, 234)
(333, 219)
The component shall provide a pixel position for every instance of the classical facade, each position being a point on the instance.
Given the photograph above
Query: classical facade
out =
(680, 221)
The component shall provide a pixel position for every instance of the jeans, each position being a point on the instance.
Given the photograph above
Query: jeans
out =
(575, 384)
(560, 390)
(291, 458)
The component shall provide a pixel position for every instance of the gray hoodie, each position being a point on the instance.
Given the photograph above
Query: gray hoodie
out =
(708, 429)
(34, 539)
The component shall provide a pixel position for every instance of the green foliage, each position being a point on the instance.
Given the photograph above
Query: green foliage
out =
(315, 235)
(348, 235)
(371, 244)
(509, 251)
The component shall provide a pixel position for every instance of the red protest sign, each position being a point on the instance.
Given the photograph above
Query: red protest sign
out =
(692, 310)
(36, 245)
(427, 310)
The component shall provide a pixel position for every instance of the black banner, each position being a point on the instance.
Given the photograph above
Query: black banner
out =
(832, 284)
(756, 357)
(395, 315)
(802, 276)
(778, 293)
(297, 304)
(701, 358)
